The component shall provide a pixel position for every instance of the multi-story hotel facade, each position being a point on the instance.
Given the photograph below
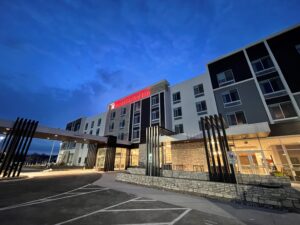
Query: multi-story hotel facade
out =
(257, 91)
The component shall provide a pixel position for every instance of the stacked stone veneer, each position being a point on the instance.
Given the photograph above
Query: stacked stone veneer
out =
(242, 178)
(286, 197)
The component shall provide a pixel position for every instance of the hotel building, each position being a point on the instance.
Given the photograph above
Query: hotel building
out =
(256, 90)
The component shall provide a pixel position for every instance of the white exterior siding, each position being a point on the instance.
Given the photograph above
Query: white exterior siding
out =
(190, 118)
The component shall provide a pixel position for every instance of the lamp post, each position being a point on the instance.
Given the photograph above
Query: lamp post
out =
(48, 164)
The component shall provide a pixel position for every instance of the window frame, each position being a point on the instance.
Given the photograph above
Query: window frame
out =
(175, 101)
(86, 126)
(123, 111)
(122, 124)
(273, 93)
(154, 110)
(135, 130)
(178, 116)
(197, 95)
(234, 113)
(180, 126)
(280, 107)
(99, 122)
(231, 103)
(264, 71)
(222, 84)
(135, 108)
(201, 112)
(111, 126)
(155, 97)
(113, 115)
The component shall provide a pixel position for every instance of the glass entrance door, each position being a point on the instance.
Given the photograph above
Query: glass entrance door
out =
(251, 162)
(120, 159)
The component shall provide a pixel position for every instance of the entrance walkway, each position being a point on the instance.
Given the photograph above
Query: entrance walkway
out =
(240, 213)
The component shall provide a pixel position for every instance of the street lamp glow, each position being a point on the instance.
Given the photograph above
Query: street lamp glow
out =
(1, 138)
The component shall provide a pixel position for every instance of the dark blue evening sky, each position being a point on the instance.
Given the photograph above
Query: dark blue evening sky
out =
(63, 59)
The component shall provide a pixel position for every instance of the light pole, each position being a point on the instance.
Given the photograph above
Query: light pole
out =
(48, 164)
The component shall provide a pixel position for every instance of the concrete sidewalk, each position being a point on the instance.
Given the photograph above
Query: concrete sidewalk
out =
(245, 214)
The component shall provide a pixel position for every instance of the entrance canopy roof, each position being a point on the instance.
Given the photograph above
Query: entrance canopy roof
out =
(49, 133)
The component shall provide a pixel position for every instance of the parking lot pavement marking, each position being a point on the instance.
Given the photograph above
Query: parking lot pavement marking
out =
(180, 216)
(141, 199)
(209, 222)
(51, 198)
(92, 213)
(136, 210)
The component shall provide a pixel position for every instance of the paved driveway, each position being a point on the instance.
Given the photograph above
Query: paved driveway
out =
(91, 204)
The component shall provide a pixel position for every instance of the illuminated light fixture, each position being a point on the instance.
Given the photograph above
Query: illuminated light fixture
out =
(1, 138)
(48, 138)
(131, 98)
(7, 128)
(55, 135)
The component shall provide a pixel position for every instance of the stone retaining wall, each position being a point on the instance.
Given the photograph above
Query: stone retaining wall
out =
(286, 197)
(242, 178)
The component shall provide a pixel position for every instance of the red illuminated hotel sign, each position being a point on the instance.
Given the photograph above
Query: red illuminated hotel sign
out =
(131, 98)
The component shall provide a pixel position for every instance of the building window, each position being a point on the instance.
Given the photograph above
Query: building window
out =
(225, 78)
(272, 87)
(198, 90)
(179, 128)
(86, 126)
(231, 98)
(98, 131)
(123, 111)
(177, 113)
(121, 136)
(154, 100)
(112, 115)
(122, 124)
(137, 106)
(82, 145)
(92, 124)
(298, 48)
(99, 122)
(282, 110)
(236, 118)
(176, 97)
(263, 65)
(91, 132)
(136, 133)
(111, 126)
(201, 107)
(79, 159)
(136, 119)
(155, 114)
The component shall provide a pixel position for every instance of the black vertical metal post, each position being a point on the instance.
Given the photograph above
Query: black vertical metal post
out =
(27, 147)
(147, 148)
(206, 148)
(215, 174)
(216, 147)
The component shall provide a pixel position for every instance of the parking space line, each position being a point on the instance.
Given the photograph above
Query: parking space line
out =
(92, 213)
(140, 199)
(180, 216)
(137, 210)
(49, 199)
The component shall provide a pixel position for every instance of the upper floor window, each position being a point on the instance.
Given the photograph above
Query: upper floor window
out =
(225, 78)
(155, 114)
(137, 106)
(198, 90)
(123, 111)
(121, 136)
(154, 100)
(91, 131)
(263, 65)
(201, 107)
(236, 118)
(86, 126)
(122, 124)
(98, 131)
(231, 98)
(179, 128)
(136, 119)
(177, 113)
(112, 115)
(298, 48)
(136, 133)
(92, 124)
(272, 87)
(99, 122)
(111, 126)
(176, 97)
(282, 110)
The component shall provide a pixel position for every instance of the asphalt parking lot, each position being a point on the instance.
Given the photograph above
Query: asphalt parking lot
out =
(89, 204)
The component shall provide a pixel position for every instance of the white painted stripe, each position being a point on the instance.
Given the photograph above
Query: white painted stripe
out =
(210, 222)
(180, 216)
(45, 200)
(137, 210)
(92, 213)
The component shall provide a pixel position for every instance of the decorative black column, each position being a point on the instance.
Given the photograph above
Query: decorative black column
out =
(110, 154)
